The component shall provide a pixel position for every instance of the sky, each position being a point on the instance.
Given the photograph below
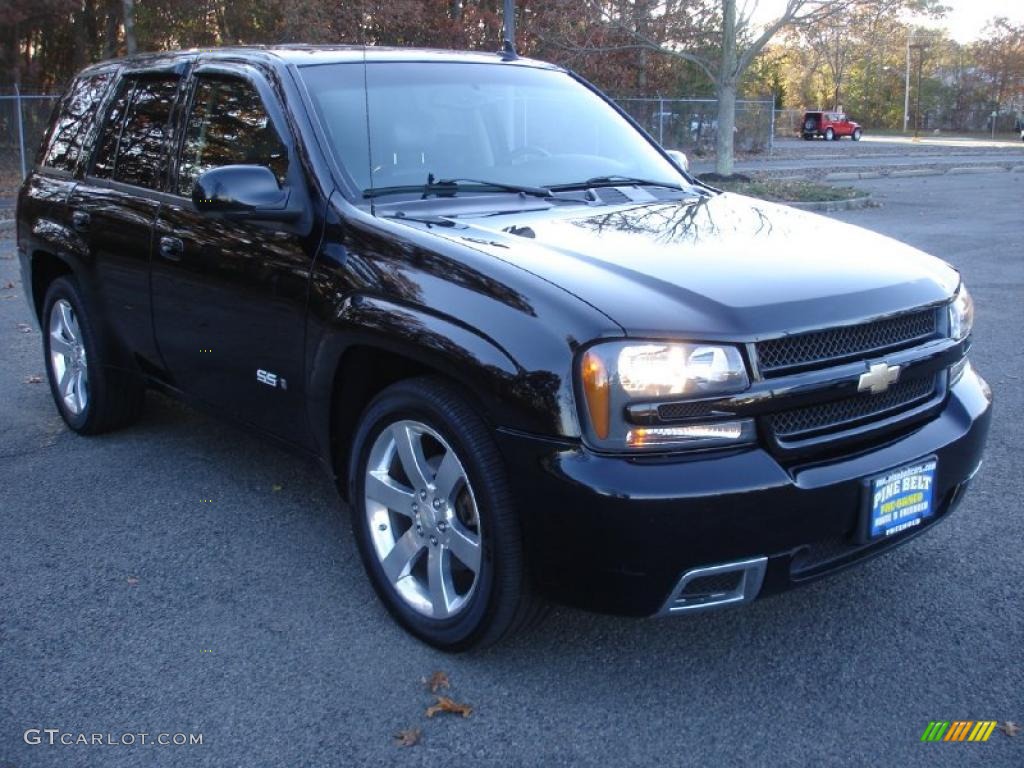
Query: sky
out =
(966, 18)
(964, 21)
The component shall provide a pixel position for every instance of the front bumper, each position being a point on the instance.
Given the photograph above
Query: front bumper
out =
(616, 534)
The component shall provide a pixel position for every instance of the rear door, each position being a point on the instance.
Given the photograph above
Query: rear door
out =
(114, 206)
(229, 296)
(42, 206)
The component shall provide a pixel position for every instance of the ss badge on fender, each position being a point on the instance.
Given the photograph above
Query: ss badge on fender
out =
(270, 379)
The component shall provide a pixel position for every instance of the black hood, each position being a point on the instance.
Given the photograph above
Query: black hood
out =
(723, 266)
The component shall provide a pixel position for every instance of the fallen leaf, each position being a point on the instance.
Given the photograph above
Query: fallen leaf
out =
(24, 328)
(1010, 728)
(444, 704)
(410, 737)
(436, 682)
(8, 284)
(276, 487)
(133, 581)
(34, 380)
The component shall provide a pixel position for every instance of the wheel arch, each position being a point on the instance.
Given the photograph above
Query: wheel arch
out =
(45, 267)
(381, 343)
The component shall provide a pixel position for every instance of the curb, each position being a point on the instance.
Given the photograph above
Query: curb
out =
(976, 169)
(907, 172)
(916, 172)
(852, 175)
(828, 206)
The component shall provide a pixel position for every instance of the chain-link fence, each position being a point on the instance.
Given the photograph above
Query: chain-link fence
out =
(23, 120)
(692, 124)
(788, 122)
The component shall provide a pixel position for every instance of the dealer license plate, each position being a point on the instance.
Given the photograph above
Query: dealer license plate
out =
(900, 499)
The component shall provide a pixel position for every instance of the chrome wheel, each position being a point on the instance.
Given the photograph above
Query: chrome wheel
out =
(423, 519)
(67, 357)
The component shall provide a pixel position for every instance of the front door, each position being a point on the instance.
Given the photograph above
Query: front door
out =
(229, 297)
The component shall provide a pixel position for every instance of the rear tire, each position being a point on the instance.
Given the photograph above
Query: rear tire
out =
(829, 134)
(412, 525)
(92, 393)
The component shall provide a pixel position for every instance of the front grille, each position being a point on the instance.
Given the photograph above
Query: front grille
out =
(801, 422)
(827, 347)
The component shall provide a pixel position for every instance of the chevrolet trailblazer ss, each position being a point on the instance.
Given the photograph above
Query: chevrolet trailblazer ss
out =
(540, 361)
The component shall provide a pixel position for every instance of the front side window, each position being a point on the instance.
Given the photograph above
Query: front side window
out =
(133, 145)
(228, 125)
(506, 124)
(68, 135)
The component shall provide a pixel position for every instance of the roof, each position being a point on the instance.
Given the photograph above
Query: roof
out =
(305, 55)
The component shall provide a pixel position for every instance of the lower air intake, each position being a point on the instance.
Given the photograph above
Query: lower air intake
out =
(716, 586)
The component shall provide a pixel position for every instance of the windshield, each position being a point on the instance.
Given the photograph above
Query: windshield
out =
(503, 124)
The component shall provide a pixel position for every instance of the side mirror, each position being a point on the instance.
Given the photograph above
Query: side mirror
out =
(679, 158)
(243, 192)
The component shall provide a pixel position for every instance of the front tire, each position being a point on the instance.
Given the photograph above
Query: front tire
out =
(92, 393)
(434, 521)
(856, 134)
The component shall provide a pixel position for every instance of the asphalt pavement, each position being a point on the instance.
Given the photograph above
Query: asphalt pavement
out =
(876, 153)
(184, 576)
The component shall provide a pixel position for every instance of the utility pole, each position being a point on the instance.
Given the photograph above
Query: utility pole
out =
(906, 88)
(917, 109)
(510, 25)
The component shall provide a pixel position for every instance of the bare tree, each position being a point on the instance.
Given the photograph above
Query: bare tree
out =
(738, 40)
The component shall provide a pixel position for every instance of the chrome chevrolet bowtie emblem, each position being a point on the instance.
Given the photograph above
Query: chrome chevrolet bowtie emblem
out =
(878, 378)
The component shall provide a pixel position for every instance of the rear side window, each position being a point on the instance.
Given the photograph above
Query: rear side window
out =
(133, 147)
(106, 151)
(66, 142)
(228, 125)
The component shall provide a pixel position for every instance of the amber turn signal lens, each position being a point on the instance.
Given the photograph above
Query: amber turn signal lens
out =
(598, 394)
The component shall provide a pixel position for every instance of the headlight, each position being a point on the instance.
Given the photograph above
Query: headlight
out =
(616, 375)
(961, 314)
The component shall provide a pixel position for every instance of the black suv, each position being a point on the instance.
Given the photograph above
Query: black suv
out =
(540, 360)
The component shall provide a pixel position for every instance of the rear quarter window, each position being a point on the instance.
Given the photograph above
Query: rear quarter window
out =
(66, 142)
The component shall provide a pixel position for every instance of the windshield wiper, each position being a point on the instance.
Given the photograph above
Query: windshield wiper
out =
(526, 189)
(451, 187)
(616, 181)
